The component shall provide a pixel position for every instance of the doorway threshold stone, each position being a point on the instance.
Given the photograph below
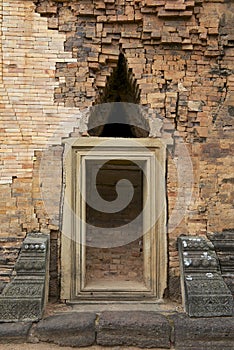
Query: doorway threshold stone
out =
(146, 305)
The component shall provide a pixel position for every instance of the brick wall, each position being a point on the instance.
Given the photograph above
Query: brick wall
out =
(56, 60)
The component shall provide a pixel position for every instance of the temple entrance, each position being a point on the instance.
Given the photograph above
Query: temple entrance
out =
(114, 227)
(114, 222)
(119, 266)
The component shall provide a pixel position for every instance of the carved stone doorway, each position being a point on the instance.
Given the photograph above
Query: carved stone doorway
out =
(113, 234)
(120, 254)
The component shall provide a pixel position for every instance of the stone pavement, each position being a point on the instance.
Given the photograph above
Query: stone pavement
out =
(46, 346)
(121, 329)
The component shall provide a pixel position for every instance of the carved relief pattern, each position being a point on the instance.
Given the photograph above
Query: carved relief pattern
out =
(20, 310)
(199, 261)
(224, 245)
(205, 286)
(204, 290)
(27, 265)
(196, 243)
(213, 305)
(28, 289)
(23, 298)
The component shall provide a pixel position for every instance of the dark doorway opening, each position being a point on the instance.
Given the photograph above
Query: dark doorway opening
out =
(117, 130)
(121, 115)
(119, 266)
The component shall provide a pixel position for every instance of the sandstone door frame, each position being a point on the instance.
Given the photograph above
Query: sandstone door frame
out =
(152, 154)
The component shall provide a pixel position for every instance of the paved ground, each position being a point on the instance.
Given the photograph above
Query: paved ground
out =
(56, 347)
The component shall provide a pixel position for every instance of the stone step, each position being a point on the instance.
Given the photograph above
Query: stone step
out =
(123, 329)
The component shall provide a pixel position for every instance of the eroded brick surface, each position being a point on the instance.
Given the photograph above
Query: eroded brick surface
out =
(58, 57)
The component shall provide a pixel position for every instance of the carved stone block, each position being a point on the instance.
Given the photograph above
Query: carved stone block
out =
(224, 246)
(207, 295)
(24, 298)
(204, 292)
